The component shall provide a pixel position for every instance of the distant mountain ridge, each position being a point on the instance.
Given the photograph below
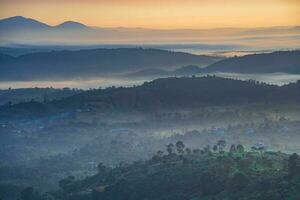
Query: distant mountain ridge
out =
(281, 61)
(72, 25)
(21, 30)
(158, 73)
(27, 23)
(19, 22)
(92, 63)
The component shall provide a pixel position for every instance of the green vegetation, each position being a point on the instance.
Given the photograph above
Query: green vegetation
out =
(167, 93)
(193, 174)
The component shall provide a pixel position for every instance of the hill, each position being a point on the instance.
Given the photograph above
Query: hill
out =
(186, 92)
(13, 96)
(92, 63)
(193, 174)
(165, 93)
(282, 61)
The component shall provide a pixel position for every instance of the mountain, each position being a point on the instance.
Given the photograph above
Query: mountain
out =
(22, 30)
(282, 61)
(71, 25)
(19, 23)
(93, 63)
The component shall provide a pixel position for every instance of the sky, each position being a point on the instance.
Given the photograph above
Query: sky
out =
(163, 14)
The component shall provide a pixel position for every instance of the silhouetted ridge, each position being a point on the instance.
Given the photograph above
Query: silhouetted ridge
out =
(170, 93)
(89, 63)
(282, 61)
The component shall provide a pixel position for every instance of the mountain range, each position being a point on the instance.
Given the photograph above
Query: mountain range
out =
(283, 61)
(93, 63)
(137, 63)
(21, 30)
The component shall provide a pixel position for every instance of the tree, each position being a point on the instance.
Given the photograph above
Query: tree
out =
(160, 153)
(196, 151)
(180, 147)
(170, 148)
(232, 149)
(294, 164)
(240, 148)
(101, 167)
(221, 145)
(215, 148)
(188, 151)
(158, 156)
(207, 149)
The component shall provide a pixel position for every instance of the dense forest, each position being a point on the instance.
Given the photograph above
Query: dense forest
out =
(166, 93)
(222, 171)
(14, 96)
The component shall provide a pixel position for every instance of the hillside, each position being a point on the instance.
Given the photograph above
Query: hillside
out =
(193, 174)
(13, 96)
(165, 93)
(93, 63)
(282, 61)
(186, 92)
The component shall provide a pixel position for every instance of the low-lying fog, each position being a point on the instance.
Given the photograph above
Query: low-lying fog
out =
(103, 82)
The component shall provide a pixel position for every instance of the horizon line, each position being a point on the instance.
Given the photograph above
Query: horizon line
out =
(162, 29)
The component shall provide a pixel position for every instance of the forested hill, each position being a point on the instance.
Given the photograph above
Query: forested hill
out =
(91, 63)
(13, 96)
(282, 61)
(187, 92)
(181, 173)
(166, 93)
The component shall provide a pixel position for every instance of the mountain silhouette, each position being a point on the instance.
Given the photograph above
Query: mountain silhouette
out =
(71, 25)
(281, 61)
(21, 30)
(19, 22)
(93, 63)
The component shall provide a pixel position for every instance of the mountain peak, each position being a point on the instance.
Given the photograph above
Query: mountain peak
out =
(21, 22)
(71, 24)
(16, 18)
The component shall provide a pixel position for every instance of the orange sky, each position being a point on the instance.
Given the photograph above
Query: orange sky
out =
(159, 13)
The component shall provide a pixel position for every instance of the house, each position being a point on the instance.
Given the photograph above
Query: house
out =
(259, 146)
